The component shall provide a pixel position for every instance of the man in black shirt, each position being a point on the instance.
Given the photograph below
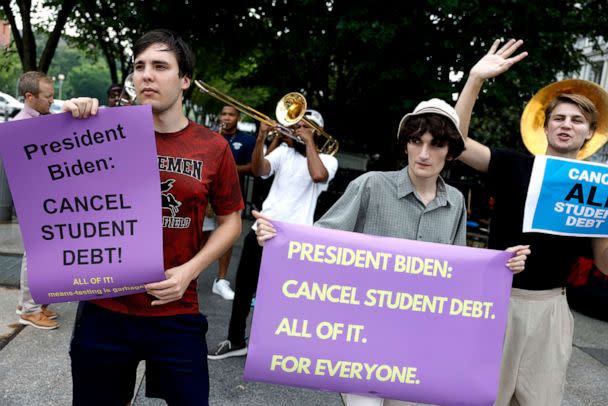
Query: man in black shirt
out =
(538, 341)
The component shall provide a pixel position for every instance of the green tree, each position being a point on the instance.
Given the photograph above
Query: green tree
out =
(365, 63)
(25, 40)
(113, 25)
(84, 75)
(362, 63)
(10, 70)
(90, 80)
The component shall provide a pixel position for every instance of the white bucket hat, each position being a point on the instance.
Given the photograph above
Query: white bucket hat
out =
(433, 106)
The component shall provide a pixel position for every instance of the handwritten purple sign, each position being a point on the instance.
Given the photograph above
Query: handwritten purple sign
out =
(385, 317)
(87, 195)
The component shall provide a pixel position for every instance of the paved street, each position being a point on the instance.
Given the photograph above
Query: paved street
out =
(34, 364)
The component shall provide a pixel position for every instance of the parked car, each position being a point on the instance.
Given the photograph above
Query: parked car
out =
(56, 106)
(9, 106)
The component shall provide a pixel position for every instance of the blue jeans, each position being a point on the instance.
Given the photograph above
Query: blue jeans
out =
(107, 346)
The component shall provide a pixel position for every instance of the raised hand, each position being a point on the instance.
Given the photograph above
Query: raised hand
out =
(498, 61)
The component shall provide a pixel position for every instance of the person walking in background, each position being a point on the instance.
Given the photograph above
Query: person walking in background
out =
(241, 145)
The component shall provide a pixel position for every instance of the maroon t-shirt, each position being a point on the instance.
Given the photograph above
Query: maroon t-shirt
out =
(196, 166)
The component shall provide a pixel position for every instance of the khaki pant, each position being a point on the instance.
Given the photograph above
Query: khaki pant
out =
(538, 345)
(26, 301)
(360, 400)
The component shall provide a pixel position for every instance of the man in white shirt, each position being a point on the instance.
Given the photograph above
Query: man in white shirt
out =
(301, 173)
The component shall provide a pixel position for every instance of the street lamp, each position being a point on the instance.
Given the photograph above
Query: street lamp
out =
(60, 78)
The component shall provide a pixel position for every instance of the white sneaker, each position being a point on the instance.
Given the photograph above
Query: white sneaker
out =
(222, 287)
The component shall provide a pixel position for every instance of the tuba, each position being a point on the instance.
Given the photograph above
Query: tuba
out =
(290, 109)
(533, 117)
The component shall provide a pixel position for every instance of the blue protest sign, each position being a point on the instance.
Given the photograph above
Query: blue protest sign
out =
(567, 197)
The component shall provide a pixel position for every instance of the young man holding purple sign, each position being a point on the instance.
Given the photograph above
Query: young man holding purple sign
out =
(413, 203)
(538, 340)
(164, 326)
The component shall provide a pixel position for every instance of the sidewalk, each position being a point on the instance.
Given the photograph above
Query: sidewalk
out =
(35, 369)
(35, 365)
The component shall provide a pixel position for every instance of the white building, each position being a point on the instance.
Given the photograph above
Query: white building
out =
(595, 69)
(5, 34)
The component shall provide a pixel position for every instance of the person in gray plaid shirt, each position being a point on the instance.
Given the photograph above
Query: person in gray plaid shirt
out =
(413, 203)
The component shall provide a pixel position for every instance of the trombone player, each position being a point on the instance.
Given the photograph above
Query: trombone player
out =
(301, 173)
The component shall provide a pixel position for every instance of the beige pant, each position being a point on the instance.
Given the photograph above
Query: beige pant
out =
(538, 344)
(26, 301)
(359, 400)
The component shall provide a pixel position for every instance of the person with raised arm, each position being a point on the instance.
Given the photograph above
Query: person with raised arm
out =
(538, 340)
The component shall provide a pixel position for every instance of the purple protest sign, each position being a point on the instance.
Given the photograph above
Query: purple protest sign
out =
(386, 317)
(87, 195)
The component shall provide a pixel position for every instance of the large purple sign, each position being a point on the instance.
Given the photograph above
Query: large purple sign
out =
(87, 195)
(393, 318)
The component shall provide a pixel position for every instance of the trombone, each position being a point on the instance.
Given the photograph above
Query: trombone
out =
(290, 109)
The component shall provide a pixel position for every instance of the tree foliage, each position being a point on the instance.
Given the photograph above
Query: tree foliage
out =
(84, 75)
(89, 79)
(25, 40)
(10, 70)
(362, 63)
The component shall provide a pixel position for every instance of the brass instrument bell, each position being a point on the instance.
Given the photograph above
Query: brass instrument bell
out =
(290, 109)
(533, 117)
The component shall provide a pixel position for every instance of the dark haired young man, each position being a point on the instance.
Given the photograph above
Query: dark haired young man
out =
(413, 203)
(163, 326)
(538, 341)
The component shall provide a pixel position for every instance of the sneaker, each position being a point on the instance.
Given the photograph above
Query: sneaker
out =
(38, 320)
(225, 350)
(222, 287)
(50, 314)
